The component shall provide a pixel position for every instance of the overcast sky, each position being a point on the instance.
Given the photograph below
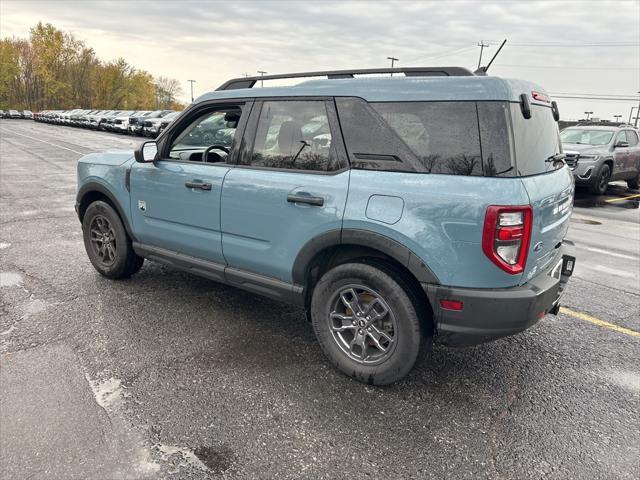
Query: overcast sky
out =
(584, 47)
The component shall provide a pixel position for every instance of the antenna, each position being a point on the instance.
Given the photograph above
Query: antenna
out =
(483, 70)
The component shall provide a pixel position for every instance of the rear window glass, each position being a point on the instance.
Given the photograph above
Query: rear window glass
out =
(536, 140)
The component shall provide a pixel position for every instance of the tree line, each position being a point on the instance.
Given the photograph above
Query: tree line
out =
(52, 70)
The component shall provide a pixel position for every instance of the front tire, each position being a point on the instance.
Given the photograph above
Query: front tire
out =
(366, 323)
(602, 180)
(107, 243)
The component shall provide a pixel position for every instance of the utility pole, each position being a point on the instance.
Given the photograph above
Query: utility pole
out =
(261, 72)
(245, 74)
(635, 124)
(481, 45)
(393, 60)
(617, 117)
(587, 114)
(631, 114)
(191, 82)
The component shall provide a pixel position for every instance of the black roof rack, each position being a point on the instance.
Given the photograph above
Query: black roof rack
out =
(249, 82)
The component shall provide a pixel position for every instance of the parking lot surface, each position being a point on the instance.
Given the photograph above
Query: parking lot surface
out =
(166, 375)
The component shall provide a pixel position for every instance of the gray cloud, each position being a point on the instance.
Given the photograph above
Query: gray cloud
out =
(212, 41)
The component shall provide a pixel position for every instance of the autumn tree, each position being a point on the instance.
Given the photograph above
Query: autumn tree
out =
(54, 70)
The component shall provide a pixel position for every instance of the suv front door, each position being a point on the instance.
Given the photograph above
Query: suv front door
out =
(290, 185)
(175, 201)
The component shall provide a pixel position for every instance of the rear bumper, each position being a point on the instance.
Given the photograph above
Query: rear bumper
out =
(489, 314)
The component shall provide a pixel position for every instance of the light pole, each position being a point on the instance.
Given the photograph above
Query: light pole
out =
(587, 114)
(631, 114)
(191, 82)
(617, 117)
(635, 124)
(393, 60)
(261, 72)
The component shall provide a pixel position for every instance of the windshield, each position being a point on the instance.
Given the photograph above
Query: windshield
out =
(586, 137)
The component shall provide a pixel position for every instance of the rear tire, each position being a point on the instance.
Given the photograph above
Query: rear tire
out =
(599, 187)
(107, 243)
(366, 323)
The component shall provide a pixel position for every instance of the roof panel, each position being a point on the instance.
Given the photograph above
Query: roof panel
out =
(386, 89)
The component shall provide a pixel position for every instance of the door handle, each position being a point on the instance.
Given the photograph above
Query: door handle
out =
(199, 185)
(308, 199)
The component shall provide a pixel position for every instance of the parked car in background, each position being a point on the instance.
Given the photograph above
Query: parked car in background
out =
(154, 126)
(393, 209)
(14, 114)
(136, 123)
(598, 155)
(2, 113)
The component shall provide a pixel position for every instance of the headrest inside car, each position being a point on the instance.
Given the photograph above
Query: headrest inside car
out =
(232, 116)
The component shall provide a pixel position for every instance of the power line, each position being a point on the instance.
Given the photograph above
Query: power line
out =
(557, 44)
(593, 94)
(566, 67)
(596, 98)
(440, 55)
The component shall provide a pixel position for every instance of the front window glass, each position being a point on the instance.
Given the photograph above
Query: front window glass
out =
(632, 138)
(293, 135)
(215, 131)
(586, 137)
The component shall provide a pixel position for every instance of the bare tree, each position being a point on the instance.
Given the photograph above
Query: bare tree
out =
(167, 89)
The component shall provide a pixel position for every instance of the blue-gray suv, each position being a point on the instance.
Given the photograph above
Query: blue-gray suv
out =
(393, 209)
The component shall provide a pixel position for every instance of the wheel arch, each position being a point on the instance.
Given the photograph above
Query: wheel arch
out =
(94, 191)
(337, 247)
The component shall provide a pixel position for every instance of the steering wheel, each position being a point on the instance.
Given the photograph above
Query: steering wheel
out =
(205, 154)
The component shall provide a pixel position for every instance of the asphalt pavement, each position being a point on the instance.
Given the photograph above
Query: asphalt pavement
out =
(167, 375)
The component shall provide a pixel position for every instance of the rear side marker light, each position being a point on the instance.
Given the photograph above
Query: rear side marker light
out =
(451, 305)
(541, 97)
(506, 235)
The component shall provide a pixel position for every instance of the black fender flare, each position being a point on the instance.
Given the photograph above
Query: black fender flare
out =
(90, 187)
(363, 238)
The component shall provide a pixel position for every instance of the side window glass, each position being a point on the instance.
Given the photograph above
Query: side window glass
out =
(632, 138)
(443, 135)
(293, 135)
(620, 137)
(214, 132)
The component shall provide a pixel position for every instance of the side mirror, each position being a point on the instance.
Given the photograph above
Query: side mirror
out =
(146, 152)
(621, 144)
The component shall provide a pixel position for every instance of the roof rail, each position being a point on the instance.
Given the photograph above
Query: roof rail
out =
(249, 82)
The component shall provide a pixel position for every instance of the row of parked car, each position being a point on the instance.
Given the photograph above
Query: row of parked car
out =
(16, 114)
(146, 122)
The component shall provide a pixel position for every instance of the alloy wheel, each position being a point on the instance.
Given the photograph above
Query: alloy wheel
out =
(103, 240)
(362, 324)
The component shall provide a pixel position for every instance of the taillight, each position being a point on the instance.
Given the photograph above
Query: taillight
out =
(506, 235)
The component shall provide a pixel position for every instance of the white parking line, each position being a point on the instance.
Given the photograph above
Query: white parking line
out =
(43, 141)
(606, 252)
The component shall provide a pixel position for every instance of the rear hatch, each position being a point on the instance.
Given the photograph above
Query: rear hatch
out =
(549, 184)
(551, 198)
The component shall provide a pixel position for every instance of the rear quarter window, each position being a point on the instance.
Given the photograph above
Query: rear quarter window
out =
(454, 138)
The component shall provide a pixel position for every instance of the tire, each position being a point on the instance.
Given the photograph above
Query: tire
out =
(599, 187)
(107, 243)
(368, 356)
(634, 183)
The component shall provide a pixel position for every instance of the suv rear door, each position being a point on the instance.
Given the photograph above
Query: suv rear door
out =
(290, 185)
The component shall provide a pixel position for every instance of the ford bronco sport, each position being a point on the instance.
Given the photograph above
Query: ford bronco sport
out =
(393, 209)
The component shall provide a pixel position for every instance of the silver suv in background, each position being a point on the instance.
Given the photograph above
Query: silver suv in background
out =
(598, 155)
